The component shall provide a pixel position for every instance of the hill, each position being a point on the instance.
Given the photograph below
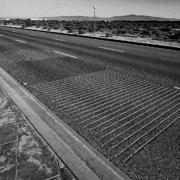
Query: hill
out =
(131, 17)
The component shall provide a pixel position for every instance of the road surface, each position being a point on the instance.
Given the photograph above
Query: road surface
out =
(156, 64)
(123, 99)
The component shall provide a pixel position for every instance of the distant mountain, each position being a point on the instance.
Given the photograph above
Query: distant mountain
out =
(131, 17)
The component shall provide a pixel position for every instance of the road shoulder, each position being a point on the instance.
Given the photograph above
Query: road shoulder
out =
(83, 160)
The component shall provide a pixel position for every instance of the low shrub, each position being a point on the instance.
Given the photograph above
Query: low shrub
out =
(24, 26)
(109, 34)
(81, 31)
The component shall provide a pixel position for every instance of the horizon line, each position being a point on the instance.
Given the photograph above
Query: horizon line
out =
(16, 17)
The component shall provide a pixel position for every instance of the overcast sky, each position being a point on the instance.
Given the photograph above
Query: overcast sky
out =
(105, 8)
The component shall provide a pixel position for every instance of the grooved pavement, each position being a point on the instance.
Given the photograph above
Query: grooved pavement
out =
(123, 113)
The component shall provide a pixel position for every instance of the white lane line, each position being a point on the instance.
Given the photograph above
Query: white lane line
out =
(111, 49)
(59, 39)
(65, 54)
(31, 34)
(177, 87)
(1, 35)
(13, 31)
(20, 41)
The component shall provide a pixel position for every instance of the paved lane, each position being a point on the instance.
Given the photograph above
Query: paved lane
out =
(160, 65)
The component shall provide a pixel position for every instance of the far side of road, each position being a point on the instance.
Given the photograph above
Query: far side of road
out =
(101, 36)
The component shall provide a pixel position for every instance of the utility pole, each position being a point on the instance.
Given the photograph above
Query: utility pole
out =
(94, 20)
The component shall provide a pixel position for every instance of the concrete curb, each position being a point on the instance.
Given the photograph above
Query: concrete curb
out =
(82, 159)
(106, 39)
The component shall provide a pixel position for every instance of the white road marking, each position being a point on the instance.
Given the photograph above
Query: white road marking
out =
(1, 35)
(13, 31)
(31, 34)
(177, 88)
(20, 41)
(65, 54)
(59, 39)
(111, 49)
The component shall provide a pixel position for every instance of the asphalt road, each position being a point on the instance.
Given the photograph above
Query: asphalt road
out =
(115, 95)
(155, 64)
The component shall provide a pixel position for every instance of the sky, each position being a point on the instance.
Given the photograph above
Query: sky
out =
(105, 8)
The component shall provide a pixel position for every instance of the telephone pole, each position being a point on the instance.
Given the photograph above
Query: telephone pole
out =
(94, 20)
